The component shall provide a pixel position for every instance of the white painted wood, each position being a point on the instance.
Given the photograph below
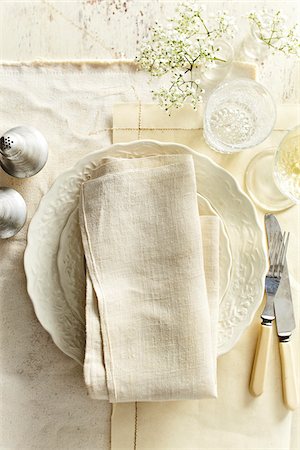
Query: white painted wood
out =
(97, 29)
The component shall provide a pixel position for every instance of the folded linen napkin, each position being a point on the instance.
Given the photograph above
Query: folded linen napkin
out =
(150, 320)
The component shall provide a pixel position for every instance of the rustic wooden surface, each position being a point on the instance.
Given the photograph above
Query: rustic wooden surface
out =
(104, 29)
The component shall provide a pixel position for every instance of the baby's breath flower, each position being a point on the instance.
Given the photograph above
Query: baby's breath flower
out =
(185, 44)
(272, 29)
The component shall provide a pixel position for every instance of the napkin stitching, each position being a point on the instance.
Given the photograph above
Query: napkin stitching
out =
(139, 128)
(88, 242)
(139, 120)
(135, 425)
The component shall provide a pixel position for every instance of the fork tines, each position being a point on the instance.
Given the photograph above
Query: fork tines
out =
(277, 252)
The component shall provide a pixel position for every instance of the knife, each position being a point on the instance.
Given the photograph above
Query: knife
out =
(262, 352)
(285, 323)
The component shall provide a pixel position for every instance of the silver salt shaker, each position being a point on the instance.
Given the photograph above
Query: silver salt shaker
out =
(13, 212)
(23, 151)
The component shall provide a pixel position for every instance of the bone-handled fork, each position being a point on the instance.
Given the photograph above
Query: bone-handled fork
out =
(277, 252)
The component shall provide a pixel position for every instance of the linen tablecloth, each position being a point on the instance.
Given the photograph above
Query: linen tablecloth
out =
(44, 401)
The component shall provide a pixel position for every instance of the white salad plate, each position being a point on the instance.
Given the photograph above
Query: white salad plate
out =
(54, 262)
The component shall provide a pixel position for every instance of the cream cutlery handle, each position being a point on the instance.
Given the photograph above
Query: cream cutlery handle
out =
(261, 359)
(289, 381)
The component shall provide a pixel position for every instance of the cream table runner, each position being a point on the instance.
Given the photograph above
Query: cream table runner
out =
(44, 403)
(236, 419)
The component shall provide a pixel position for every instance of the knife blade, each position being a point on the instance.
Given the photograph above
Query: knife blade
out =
(262, 351)
(285, 323)
(283, 303)
(268, 314)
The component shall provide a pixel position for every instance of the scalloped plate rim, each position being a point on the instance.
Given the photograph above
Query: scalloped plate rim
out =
(123, 146)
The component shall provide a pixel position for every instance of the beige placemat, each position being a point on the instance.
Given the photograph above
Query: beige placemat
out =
(236, 419)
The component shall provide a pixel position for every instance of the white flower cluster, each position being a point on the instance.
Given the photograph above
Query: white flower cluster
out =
(179, 91)
(185, 44)
(272, 29)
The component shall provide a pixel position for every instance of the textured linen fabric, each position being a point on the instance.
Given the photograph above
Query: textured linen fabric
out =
(43, 396)
(142, 239)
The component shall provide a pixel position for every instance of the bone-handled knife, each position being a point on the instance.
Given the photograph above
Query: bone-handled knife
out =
(263, 345)
(285, 323)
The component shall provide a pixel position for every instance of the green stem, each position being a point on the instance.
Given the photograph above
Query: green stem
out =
(206, 29)
(185, 56)
(219, 59)
(271, 45)
(270, 38)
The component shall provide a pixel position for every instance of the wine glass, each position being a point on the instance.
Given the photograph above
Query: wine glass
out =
(287, 165)
(273, 178)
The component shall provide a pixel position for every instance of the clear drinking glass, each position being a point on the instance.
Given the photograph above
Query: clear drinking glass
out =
(239, 114)
(221, 67)
(253, 48)
(273, 176)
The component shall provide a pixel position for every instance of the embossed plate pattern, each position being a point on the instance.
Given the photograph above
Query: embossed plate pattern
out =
(249, 262)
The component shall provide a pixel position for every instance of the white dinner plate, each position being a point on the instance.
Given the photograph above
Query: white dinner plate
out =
(65, 322)
(71, 265)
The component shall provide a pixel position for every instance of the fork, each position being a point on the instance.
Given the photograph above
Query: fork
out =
(277, 252)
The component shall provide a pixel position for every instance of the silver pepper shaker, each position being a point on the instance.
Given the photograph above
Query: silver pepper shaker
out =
(23, 151)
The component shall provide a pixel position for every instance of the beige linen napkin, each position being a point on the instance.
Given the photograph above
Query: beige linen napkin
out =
(147, 303)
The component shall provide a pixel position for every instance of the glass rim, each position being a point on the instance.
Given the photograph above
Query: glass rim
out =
(286, 135)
